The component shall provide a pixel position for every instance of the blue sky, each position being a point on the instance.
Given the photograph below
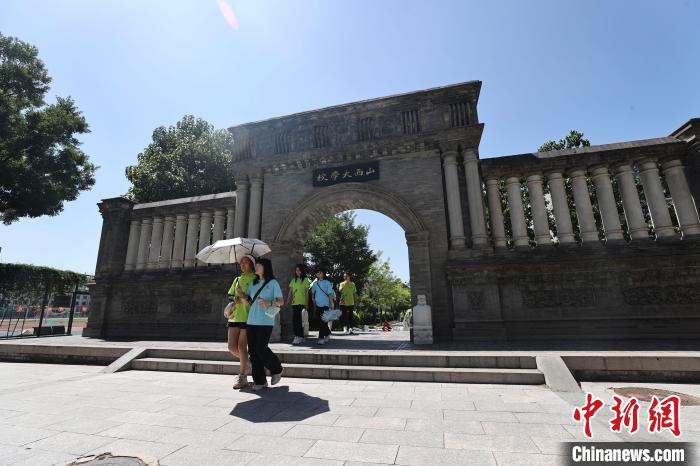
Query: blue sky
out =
(616, 70)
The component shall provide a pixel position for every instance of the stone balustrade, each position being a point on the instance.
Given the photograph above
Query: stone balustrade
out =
(610, 194)
(168, 234)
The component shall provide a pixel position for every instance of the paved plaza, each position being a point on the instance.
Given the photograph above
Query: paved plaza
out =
(55, 413)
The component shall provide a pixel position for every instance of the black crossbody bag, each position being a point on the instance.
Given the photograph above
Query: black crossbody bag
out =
(257, 293)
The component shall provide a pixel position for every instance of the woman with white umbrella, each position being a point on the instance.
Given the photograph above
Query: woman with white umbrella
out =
(242, 251)
(237, 333)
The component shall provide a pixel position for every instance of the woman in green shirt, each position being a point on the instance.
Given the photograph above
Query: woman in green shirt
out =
(348, 298)
(298, 297)
(237, 333)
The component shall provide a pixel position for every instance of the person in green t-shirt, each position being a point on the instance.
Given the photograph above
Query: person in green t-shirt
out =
(348, 300)
(237, 333)
(298, 297)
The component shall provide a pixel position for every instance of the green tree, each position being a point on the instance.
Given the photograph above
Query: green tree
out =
(188, 159)
(338, 245)
(571, 141)
(41, 165)
(383, 291)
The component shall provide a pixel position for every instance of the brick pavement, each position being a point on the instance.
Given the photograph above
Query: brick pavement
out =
(54, 413)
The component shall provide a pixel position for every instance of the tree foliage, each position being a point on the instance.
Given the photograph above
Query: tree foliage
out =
(41, 165)
(188, 159)
(338, 245)
(383, 292)
(571, 141)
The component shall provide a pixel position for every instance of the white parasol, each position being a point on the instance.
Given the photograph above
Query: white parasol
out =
(229, 251)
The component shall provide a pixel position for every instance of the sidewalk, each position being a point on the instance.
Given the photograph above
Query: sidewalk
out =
(54, 413)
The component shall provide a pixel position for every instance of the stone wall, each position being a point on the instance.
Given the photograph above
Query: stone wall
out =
(622, 261)
(182, 305)
(645, 291)
(630, 271)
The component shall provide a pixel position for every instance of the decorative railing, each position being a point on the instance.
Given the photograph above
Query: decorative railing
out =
(168, 234)
(616, 193)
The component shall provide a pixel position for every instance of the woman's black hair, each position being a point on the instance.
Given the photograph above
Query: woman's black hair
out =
(268, 274)
(348, 274)
(302, 268)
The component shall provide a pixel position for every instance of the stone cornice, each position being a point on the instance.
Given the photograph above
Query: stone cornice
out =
(586, 157)
(389, 125)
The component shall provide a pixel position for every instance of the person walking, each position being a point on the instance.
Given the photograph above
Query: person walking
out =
(324, 297)
(348, 300)
(237, 333)
(298, 297)
(264, 292)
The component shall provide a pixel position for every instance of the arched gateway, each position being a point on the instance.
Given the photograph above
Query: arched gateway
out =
(396, 155)
(541, 271)
(300, 222)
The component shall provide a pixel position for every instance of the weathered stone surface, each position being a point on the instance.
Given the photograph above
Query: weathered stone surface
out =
(422, 150)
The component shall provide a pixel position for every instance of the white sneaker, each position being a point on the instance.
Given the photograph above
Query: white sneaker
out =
(257, 387)
(275, 379)
(327, 338)
(321, 341)
(296, 341)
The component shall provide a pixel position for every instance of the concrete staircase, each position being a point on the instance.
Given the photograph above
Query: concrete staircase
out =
(389, 366)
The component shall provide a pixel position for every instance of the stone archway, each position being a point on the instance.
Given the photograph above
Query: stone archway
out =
(299, 223)
(348, 196)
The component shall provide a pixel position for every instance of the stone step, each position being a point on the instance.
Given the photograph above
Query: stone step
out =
(355, 372)
(437, 359)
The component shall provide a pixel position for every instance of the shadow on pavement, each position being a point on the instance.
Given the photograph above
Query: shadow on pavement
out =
(280, 405)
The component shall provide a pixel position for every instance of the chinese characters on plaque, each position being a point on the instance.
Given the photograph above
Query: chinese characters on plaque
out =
(349, 173)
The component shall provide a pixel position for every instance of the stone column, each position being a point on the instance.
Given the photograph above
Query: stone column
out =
(562, 216)
(654, 193)
(241, 208)
(191, 241)
(204, 232)
(636, 224)
(539, 210)
(607, 204)
(144, 240)
(156, 240)
(584, 209)
(454, 207)
(132, 248)
(476, 201)
(517, 214)
(496, 213)
(166, 248)
(219, 219)
(256, 186)
(230, 215)
(179, 246)
(686, 210)
(114, 237)
(418, 244)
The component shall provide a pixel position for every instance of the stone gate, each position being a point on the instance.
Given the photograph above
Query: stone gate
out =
(593, 242)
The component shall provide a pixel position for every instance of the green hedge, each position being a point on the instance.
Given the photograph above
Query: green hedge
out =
(23, 280)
